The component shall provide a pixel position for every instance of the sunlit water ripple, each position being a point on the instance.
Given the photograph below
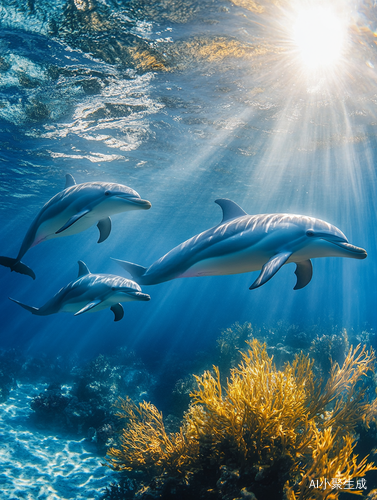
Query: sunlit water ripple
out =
(40, 465)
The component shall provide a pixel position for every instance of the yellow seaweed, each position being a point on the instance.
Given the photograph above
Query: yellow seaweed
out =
(260, 417)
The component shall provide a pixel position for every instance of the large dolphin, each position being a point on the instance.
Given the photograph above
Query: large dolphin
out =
(242, 243)
(91, 293)
(76, 208)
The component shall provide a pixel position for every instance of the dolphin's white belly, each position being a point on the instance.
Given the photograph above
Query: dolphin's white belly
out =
(47, 230)
(235, 263)
(73, 306)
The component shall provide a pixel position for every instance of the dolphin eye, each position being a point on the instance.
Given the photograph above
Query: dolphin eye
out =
(310, 232)
(107, 193)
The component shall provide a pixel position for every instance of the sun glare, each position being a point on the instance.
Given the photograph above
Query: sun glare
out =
(320, 37)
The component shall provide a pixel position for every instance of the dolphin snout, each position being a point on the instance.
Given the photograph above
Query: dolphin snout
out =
(139, 202)
(144, 204)
(139, 295)
(357, 252)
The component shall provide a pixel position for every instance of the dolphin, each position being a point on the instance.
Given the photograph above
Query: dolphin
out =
(76, 208)
(242, 243)
(91, 293)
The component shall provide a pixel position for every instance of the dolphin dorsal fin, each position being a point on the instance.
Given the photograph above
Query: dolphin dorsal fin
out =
(69, 181)
(83, 269)
(230, 209)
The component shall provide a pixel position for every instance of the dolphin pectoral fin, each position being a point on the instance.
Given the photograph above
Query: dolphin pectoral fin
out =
(135, 271)
(83, 269)
(69, 181)
(104, 226)
(88, 307)
(270, 268)
(17, 266)
(230, 209)
(118, 311)
(72, 220)
(304, 273)
(33, 310)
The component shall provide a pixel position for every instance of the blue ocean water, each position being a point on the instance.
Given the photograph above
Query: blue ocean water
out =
(185, 102)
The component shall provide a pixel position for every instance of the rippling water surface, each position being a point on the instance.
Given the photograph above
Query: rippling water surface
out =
(185, 102)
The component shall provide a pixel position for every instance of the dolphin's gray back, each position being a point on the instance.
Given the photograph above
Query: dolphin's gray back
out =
(83, 192)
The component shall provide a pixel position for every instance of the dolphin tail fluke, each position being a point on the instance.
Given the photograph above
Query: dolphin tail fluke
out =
(135, 271)
(16, 265)
(33, 310)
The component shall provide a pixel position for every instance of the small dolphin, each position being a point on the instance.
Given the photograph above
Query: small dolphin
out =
(91, 293)
(242, 243)
(76, 208)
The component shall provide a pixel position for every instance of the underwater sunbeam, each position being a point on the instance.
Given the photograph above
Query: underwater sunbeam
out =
(320, 37)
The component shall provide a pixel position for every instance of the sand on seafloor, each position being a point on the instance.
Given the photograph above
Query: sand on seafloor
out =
(40, 465)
